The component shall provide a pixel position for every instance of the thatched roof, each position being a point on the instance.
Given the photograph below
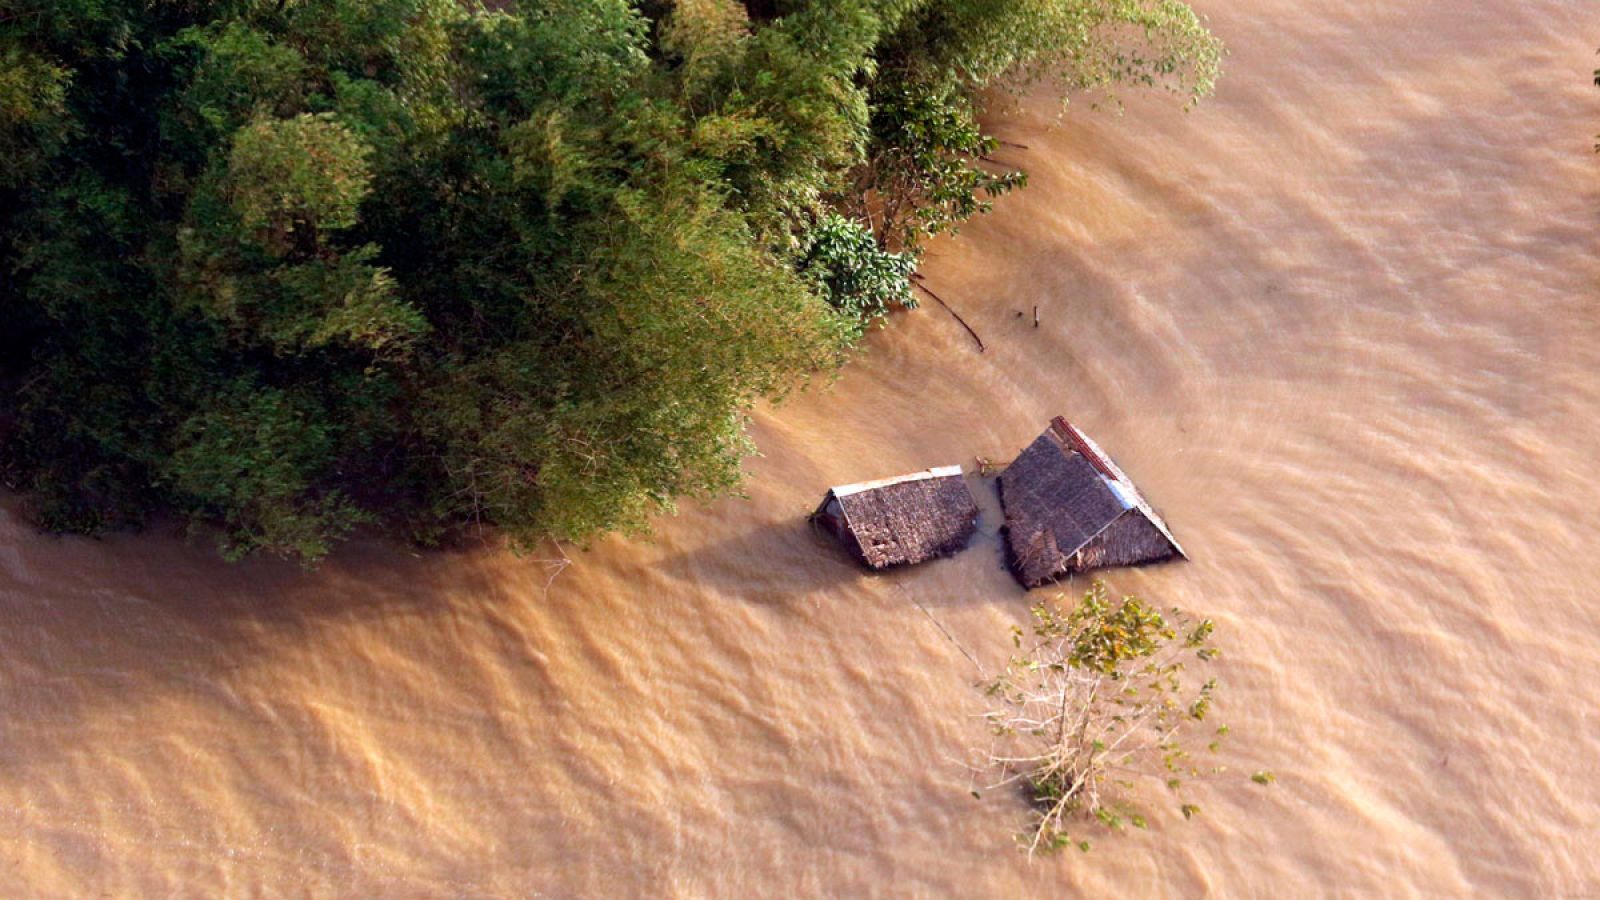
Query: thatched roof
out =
(1070, 509)
(897, 521)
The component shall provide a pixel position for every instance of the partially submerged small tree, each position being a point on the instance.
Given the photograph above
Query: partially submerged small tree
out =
(1097, 703)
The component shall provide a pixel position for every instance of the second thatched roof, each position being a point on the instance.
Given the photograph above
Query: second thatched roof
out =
(1069, 509)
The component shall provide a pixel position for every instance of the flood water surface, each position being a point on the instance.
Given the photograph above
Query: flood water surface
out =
(1341, 324)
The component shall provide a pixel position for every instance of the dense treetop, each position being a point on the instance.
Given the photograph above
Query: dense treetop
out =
(284, 267)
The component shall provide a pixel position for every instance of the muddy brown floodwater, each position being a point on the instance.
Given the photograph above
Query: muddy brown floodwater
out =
(1342, 323)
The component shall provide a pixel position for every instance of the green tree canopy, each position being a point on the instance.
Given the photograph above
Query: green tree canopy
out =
(286, 268)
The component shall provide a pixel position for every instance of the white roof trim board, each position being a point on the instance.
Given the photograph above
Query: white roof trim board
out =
(845, 490)
(1122, 495)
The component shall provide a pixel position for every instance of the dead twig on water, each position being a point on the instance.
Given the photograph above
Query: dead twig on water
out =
(917, 280)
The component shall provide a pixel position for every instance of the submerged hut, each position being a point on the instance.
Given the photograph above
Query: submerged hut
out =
(898, 521)
(1069, 509)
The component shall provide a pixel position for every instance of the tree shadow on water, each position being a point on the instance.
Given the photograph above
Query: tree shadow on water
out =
(131, 620)
(775, 564)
